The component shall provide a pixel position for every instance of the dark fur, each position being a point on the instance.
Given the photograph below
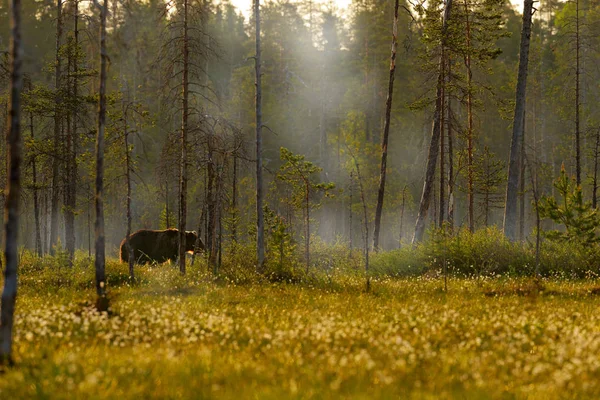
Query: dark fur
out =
(157, 246)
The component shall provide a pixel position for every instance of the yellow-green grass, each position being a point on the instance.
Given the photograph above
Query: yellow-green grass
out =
(190, 337)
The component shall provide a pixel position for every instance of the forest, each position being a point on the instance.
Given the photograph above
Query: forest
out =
(300, 199)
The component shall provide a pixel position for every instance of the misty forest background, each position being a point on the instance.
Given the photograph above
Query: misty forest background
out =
(325, 82)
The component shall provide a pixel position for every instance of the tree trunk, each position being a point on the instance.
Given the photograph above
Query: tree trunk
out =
(577, 97)
(442, 187)
(57, 129)
(470, 150)
(72, 143)
(36, 200)
(402, 206)
(11, 210)
(130, 254)
(260, 228)
(510, 210)
(366, 224)
(210, 204)
(386, 131)
(102, 302)
(522, 190)
(434, 146)
(595, 181)
(69, 212)
(184, 133)
(350, 222)
(450, 153)
(234, 213)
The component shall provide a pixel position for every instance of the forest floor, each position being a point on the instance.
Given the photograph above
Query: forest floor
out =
(189, 337)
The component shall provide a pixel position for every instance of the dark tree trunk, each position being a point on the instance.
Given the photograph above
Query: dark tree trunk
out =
(102, 302)
(442, 187)
(260, 222)
(69, 211)
(402, 206)
(11, 208)
(184, 134)
(72, 144)
(57, 130)
(131, 257)
(450, 155)
(234, 213)
(595, 178)
(386, 132)
(434, 146)
(307, 225)
(510, 211)
(470, 149)
(522, 190)
(577, 97)
(36, 200)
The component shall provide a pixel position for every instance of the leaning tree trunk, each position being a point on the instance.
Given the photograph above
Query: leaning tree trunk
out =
(434, 146)
(512, 190)
(102, 302)
(260, 220)
(386, 131)
(57, 129)
(184, 132)
(11, 208)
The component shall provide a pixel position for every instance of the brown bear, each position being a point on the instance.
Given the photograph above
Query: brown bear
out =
(157, 246)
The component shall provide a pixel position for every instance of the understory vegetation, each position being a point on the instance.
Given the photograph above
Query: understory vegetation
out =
(495, 332)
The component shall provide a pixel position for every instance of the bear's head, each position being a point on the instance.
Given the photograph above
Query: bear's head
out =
(190, 241)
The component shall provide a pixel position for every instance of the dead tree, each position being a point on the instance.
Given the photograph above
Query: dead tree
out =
(11, 207)
(386, 131)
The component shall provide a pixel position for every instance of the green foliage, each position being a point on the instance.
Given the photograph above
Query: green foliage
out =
(579, 219)
(281, 246)
(163, 219)
(300, 175)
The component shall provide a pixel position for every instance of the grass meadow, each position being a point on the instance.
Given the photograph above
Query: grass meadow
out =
(172, 336)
